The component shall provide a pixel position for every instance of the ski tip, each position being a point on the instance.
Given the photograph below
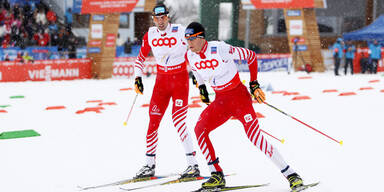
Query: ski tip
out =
(282, 141)
(80, 188)
(341, 143)
(125, 123)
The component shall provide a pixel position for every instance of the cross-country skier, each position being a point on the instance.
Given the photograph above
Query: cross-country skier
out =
(213, 62)
(168, 46)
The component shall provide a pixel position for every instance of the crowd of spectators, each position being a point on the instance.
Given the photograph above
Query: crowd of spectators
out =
(34, 24)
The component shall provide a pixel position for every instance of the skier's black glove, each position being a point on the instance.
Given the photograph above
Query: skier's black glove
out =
(256, 91)
(194, 82)
(139, 87)
(204, 94)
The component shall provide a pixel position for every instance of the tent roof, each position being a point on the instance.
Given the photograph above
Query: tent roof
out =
(374, 31)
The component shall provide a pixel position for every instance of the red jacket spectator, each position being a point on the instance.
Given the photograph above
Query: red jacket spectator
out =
(41, 39)
(51, 16)
(19, 58)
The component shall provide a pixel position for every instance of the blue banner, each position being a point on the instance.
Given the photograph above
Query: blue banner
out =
(81, 52)
(265, 63)
(42, 53)
(10, 52)
(77, 4)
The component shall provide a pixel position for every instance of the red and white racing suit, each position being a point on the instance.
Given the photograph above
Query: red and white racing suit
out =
(215, 64)
(172, 81)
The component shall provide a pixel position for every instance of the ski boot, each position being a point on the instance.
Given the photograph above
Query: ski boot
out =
(191, 171)
(295, 182)
(146, 171)
(215, 181)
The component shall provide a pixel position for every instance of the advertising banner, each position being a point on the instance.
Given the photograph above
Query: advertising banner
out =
(268, 62)
(362, 58)
(123, 67)
(283, 4)
(77, 6)
(10, 53)
(295, 27)
(45, 70)
(42, 53)
(97, 31)
(107, 6)
(110, 40)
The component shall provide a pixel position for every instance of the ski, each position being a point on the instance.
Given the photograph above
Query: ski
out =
(179, 180)
(125, 181)
(304, 187)
(231, 188)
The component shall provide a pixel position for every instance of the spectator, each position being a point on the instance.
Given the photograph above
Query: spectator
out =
(41, 19)
(374, 55)
(63, 43)
(27, 57)
(31, 4)
(41, 38)
(52, 27)
(136, 41)
(68, 18)
(128, 46)
(54, 38)
(119, 40)
(19, 57)
(72, 42)
(6, 57)
(337, 50)
(3, 30)
(350, 50)
(51, 16)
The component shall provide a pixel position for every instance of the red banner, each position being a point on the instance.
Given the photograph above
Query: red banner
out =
(110, 40)
(107, 6)
(363, 53)
(283, 4)
(45, 70)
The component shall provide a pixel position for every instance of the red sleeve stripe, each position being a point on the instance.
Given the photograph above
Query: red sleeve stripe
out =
(138, 66)
(238, 51)
(242, 51)
(141, 56)
(252, 57)
(140, 63)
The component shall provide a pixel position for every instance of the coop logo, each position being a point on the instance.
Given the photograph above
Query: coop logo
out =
(164, 42)
(207, 64)
(47, 73)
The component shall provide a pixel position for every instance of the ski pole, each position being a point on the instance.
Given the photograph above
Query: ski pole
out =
(130, 111)
(339, 142)
(281, 140)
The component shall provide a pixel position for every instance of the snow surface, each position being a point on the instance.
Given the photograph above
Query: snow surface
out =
(95, 148)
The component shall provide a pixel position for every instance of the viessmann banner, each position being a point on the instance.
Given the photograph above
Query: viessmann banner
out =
(107, 6)
(45, 70)
(282, 4)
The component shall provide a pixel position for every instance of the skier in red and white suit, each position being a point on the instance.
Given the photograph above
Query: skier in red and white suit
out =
(213, 62)
(168, 46)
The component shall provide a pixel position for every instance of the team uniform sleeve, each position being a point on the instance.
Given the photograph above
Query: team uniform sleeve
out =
(144, 51)
(182, 38)
(229, 52)
(199, 79)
